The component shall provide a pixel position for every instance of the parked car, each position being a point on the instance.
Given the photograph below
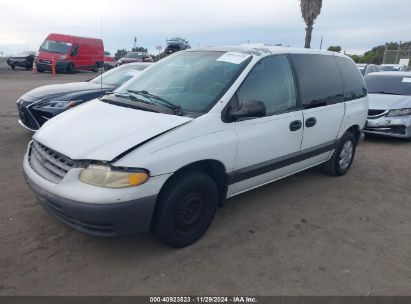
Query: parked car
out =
(39, 105)
(109, 63)
(135, 57)
(70, 53)
(164, 150)
(390, 104)
(176, 44)
(368, 68)
(394, 68)
(24, 60)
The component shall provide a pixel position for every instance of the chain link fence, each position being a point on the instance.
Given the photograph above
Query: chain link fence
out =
(394, 56)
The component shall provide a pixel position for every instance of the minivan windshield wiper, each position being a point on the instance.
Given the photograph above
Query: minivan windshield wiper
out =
(169, 104)
(132, 97)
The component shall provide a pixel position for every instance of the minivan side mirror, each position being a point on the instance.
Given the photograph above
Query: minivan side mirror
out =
(249, 109)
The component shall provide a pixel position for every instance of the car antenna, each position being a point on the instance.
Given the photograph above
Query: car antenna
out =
(101, 72)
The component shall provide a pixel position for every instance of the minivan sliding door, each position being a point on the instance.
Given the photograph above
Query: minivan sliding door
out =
(322, 98)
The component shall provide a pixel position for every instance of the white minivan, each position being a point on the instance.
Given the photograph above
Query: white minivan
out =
(164, 150)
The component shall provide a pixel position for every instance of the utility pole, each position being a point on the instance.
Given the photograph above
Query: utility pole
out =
(321, 43)
(384, 57)
(397, 58)
(135, 41)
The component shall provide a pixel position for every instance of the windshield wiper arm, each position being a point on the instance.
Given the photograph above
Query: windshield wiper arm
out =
(176, 108)
(132, 97)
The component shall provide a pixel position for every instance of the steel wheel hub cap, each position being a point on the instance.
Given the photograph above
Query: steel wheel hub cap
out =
(189, 210)
(346, 154)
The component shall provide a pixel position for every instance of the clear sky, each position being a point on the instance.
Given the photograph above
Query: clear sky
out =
(356, 25)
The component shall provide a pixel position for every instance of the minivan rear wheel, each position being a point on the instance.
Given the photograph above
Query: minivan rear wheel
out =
(185, 209)
(343, 156)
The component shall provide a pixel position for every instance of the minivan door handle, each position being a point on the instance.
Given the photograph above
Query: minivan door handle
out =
(295, 125)
(310, 122)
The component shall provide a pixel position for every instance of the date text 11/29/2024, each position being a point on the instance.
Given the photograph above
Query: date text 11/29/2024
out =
(203, 299)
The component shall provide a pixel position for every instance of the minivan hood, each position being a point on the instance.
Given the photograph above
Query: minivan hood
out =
(52, 90)
(100, 131)
(389, 102)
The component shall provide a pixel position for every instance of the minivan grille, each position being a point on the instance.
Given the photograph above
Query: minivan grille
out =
(50, 164)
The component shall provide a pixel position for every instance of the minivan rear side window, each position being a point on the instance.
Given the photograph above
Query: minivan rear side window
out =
(319, 79)
(270, 81)
(354, 84)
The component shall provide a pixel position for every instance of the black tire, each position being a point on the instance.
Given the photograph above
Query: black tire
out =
(28, 68)
(40, 70)
(334, 166)
(95, 68)
(12, 67)
(185, 209)
(70, 68)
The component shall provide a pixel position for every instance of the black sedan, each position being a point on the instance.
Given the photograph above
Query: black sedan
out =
(39, 105)
(24, 60)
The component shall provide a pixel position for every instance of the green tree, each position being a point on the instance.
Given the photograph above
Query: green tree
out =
(334, 48)
(139, 49)
(310, 10)
(356, 58)
(159, 56)
(120, 53)
(106, 53)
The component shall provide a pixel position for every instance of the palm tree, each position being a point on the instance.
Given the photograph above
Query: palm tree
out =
(310, 9)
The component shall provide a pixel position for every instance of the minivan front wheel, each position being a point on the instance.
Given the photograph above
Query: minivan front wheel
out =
(185, 209)
(343, 156)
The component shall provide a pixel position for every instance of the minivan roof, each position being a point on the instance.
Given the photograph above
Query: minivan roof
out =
(265, 50)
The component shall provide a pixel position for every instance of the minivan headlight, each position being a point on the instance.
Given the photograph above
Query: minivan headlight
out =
(399, 112)
(108, 177)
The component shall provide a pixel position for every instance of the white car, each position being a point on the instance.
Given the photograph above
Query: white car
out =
(365, 68)
(390, 104)
(168, 147)
(394, 68)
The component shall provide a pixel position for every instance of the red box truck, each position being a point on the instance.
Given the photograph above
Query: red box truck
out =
(70, 53)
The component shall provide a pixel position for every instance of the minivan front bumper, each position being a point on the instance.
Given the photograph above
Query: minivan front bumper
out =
(89, 211)
(103, 220)
(396, 126)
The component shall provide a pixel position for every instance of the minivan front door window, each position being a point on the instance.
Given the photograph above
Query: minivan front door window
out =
(271, 82)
